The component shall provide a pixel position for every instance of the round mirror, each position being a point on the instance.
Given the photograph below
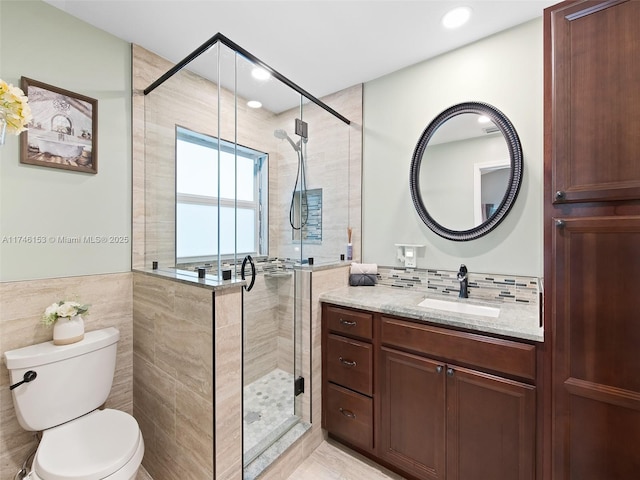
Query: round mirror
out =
(466, 171)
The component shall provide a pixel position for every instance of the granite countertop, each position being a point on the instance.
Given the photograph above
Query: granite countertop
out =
(190, 277)
(515, 319)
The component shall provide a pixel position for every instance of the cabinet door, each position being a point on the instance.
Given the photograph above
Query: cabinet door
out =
(490, 427)
(412, 400)
(596, 352)
(595, 101)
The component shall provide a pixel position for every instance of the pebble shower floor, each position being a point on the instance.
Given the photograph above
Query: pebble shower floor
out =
(268, 411)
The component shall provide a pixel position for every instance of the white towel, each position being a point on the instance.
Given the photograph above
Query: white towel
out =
(364, 268)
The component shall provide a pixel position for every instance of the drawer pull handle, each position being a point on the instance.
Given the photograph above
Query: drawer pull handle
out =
(347, 413)
(348, 323)
(348, 363)
(439, 369)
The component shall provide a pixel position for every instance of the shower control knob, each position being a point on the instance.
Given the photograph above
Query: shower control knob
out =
(28, 377)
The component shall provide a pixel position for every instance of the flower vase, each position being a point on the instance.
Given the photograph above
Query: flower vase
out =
(3, 126)
(68, 330)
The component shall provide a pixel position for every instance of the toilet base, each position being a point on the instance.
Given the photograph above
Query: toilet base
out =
(128, 471)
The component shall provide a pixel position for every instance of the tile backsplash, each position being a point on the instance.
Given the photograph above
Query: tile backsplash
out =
(483, 286)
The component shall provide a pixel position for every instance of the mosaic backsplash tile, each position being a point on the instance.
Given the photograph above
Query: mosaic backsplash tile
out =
(504, 288)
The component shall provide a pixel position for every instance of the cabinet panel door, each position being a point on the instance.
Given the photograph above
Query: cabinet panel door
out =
(595, 100)
(490, 427)
(596, 354)
(412, 430)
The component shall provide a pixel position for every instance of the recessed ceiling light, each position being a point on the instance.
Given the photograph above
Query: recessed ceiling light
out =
(483, 119)
(260, 73)
(254, 104)
(456, 17)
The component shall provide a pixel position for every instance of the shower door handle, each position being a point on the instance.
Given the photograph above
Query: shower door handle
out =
(253, 271)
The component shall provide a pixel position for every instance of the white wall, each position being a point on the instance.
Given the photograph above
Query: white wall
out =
(42, 43)
(504, 70)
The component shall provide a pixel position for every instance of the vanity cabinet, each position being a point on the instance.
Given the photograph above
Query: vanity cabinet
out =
(444, 404)
(592, 234)
(442, 420)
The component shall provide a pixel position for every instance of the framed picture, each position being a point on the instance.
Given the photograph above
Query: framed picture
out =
(63, 130)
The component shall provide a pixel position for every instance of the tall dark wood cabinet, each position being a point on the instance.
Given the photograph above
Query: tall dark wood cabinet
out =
(592, 239)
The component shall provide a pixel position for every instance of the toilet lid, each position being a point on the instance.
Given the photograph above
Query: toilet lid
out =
(87, 448)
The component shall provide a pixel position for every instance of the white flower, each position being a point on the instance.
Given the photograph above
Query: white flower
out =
(62, 309)
(68, 309)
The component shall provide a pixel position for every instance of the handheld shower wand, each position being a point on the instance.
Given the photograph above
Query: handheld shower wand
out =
(300, 179)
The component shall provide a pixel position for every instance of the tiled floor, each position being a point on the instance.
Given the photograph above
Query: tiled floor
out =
(332, 461)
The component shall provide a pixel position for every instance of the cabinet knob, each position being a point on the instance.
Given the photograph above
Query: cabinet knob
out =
(439, 369)
(560, 223)
(450, 372)
(347, 413)
(560, 195)
(348, 363)
(348, 323)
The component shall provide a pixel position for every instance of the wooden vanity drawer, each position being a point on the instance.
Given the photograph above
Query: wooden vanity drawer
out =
(493, 354)
(349, 416)
(350, 363)
(349, 322)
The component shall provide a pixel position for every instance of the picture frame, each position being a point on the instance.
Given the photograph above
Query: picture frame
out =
(63, 132)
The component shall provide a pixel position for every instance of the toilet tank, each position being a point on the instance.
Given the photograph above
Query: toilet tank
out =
(71, 379)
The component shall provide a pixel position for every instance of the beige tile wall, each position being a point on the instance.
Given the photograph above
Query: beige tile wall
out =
(228, 396)
(21, 307)
(173, 376)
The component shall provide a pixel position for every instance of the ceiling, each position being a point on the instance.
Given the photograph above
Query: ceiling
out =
(323, 46)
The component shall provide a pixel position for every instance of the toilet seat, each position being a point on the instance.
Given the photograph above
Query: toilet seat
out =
(91, 447)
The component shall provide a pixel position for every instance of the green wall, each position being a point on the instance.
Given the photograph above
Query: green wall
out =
(504, 70)
(45, 44)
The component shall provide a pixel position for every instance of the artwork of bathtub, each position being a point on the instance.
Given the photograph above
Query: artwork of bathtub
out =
(61, 149)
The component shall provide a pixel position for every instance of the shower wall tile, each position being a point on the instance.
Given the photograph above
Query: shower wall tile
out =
(23, 304)
(261, 328)
(174, 375)
(228, 385)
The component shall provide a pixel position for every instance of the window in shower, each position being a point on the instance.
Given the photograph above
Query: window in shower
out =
(240, 197)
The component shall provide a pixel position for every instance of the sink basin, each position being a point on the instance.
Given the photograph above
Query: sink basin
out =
(458, 307)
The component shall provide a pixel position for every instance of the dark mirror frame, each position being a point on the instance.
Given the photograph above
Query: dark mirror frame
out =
(515, 178)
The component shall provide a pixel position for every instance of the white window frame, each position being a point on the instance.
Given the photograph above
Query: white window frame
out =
(258, 205)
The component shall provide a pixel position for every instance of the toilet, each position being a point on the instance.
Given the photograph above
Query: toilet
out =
(61, 399)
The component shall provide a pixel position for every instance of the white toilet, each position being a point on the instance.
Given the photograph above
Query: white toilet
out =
(79, 441)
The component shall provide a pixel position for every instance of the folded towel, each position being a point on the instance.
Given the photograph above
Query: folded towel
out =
(362, 280)
(364, 268)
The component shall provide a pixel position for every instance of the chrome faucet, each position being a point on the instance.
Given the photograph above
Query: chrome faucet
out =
(464, 282)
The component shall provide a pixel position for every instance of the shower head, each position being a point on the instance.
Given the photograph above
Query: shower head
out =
(282, 135)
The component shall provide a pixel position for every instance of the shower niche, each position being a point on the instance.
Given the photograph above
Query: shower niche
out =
(242, 162)
(309, 230)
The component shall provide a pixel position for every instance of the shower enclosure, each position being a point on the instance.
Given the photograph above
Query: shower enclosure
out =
(247, 175)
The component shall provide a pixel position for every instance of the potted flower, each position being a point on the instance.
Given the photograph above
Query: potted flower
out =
(15, 112)
(66, 318)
